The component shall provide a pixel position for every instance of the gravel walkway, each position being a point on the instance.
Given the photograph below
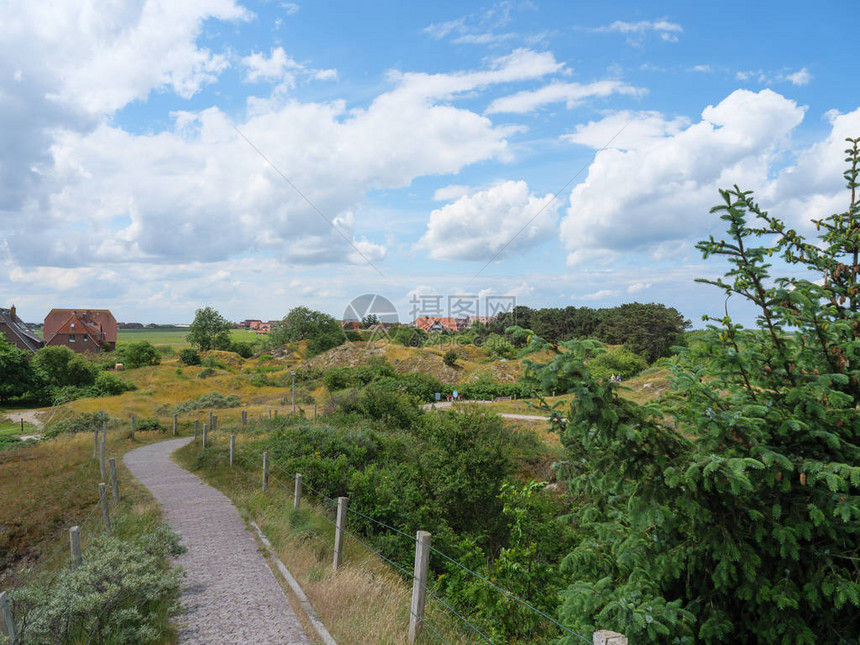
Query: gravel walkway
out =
(230, 595)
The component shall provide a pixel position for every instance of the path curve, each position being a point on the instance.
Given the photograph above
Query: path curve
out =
(230, 595)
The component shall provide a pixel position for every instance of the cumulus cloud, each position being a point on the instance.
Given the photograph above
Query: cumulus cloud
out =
(505, 218)
(571, 94)
(626, 130)
(111, 196)
(273, 68)
(655, 191)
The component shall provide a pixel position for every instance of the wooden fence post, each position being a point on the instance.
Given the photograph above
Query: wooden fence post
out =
(265, 470)
(174, 425)
(211, 414)
(297, 492)
(214, 425)
(132, 427)
(75, 546)
(7, 623)
(340, 527)
(196, 427)
(232, 448)
(102, 457)
(105, 509)
(113, 479)
(244, 418)
(315, 411)
(606, 637)
(419, 584)
(205, 435)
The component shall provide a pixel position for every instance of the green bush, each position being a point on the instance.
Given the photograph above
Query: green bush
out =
(340, 378)
(109, 384)
(120, 594)
(208, 400)
(450, 358)
(189, 356)
(243, 349)
(618, 361)
(149, 424)
(139, 354)
(77, 422)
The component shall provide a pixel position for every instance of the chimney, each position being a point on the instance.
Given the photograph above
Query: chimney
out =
(12, 312)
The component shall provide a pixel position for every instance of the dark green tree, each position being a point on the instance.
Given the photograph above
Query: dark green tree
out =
(61, 367)
(730, 513)
(17, 377)
(650, 330)
(210, 330)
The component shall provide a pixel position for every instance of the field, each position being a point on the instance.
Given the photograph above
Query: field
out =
(174, 337)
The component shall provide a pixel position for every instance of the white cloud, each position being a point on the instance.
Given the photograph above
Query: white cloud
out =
(116, 197)
(505, 218)
(800, 77)
(572, 94)
(701, 68)
(602, 294)
(657, 192)
(626, 130)
(636, 31)
(273, 68)
(447, 193)
(290, 8)
(763, 77)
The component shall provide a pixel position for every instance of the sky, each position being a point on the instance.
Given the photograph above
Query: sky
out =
(160, 157)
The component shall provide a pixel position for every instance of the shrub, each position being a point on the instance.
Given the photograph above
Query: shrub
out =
(245, 350)
(139, 354)
(77, 422)
(189, 356)
(206, 372)
(616, 360)
(109, 384)
(208, 400)
(119, 594)
(149, 424)
(340, 378)
(450, 358)
(61, 367)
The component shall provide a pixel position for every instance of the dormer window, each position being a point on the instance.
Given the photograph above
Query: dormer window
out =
(72, 325)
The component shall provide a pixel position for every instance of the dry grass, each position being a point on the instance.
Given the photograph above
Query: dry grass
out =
(50, 486)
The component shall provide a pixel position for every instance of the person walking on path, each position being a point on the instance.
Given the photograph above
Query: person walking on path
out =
(230, 595)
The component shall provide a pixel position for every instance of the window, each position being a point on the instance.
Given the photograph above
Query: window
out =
(71, 338)
(72, 325)
(86, 338)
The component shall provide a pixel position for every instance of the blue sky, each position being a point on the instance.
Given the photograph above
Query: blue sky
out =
(254, 156)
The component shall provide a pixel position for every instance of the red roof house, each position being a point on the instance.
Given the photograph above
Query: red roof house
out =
(89, 330)
(431, 324)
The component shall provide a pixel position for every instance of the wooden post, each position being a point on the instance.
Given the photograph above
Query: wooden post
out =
(232, 448)
(132, 427)
(174, 425)
(297, 492)
(105, 509)
(211, 414)
(7, 624)
(606, 637)
(518, 406)
(214, 425)
(196, 427)
(205, 435)
(95, 443)
(265, 470)
(340, 527)
(315, 411)
(102, 457)
(75, 545)
(113, 479)
(419, 584)
(244, 418)
(276, 414)
(270, 413)
(22, 426)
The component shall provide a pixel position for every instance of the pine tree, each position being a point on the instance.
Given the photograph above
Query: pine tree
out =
(729, 511)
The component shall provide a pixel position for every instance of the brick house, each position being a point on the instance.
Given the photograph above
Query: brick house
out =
(89, 330)
(435, 325)
(15, 331)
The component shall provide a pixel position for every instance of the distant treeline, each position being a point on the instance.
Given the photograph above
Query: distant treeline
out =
(647, 329)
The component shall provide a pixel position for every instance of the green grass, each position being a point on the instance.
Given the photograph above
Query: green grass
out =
(173, 337)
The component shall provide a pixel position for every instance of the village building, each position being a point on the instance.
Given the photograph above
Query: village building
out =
(82, 330)
(433, 325)
(15, 331)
